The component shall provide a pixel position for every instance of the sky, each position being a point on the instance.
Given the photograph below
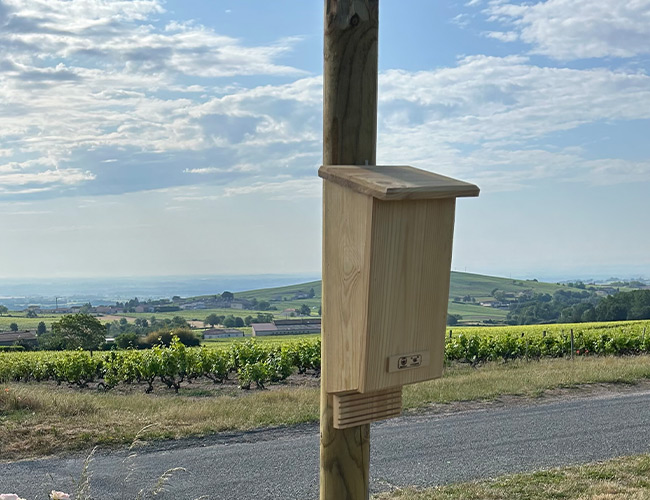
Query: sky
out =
(183, 137)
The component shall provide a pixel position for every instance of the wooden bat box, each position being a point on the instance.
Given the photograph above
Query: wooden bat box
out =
(387, 241)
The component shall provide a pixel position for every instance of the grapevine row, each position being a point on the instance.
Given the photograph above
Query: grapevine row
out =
(261, 363)
(251, 361)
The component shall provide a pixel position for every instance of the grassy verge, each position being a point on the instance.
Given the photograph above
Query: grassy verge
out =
(37, 419)
(530, 379)
(626, 478)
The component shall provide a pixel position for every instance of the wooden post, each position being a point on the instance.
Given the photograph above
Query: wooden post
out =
(572, 344)
(349, 138)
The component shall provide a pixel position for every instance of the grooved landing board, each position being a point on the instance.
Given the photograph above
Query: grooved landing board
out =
(355, 409)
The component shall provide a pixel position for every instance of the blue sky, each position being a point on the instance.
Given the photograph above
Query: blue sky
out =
(151, 137)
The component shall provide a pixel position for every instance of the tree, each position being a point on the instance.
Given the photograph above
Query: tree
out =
(263, 305)
(263, 318)
(13, 327)
(311, 293)
(305, 310)
(453, 319)
(239, 322)
(227, 296)
(41, 329)
(78, 330)
(164, 337)
(141, 323)
(212, 319)
(31, 314)
(179, 322)
(126, 340)
(229, 321)
(3, 310)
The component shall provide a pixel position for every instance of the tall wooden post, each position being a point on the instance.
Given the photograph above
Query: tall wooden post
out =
(349, 138)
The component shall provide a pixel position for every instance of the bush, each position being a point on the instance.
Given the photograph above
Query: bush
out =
(11, 348)
(164, 337)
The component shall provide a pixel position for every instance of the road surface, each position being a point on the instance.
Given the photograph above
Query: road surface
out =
(422, 450)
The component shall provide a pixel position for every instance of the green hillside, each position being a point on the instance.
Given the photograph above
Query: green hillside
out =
(467, 290)
(480, 286)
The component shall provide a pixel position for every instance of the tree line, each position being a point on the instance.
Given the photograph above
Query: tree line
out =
(566, 306)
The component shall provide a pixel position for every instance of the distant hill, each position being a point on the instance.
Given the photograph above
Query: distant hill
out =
(466, 292)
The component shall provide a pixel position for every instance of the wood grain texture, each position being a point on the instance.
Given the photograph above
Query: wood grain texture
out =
(410, 266)
(396, 182)
(346, 275)
(350, 82)
(352, 409)
(350, 137)
(385, 287)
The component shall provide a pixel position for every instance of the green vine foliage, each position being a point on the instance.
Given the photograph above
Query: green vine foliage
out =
(261, 363)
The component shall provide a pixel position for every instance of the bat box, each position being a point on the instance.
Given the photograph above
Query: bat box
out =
(387, 241)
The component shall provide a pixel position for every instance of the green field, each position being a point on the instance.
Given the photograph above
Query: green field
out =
(473, 313)
(25, 323)
(479, 287)
(267, 339)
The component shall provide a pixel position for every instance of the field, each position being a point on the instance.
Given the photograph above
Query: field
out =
(477, 286)
(44, 418)
(268, 339)
(25, 323)
(624, 478)
(57, 401)
(473, 313)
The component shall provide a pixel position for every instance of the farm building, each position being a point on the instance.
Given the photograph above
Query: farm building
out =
(219, 333)
(24, 337)
(287, 327)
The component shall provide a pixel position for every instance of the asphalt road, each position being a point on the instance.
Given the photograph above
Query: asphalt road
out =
(420, 450)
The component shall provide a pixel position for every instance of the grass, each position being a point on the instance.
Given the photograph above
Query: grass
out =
(201, 314)
(475, 313)
(25, 323)
(37, 419)
(521, 378)
(272, 339)
(625, 478)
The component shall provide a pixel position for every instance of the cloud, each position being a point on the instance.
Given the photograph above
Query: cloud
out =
(283, 190)
(80, 77)
(505, 100)
(46, 179)
(494, 120)
(577, 29)
(504, 36)
(109, 97)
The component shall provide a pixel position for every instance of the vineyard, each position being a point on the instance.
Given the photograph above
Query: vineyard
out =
(251, 361)
(261, 363)
(476, 345)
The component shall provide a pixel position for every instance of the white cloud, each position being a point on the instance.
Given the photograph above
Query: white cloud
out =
(477, 120)
(110, 84)
(504, 36)
(284, 190)
(506, 99)
(578, 29)
(122, 89)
